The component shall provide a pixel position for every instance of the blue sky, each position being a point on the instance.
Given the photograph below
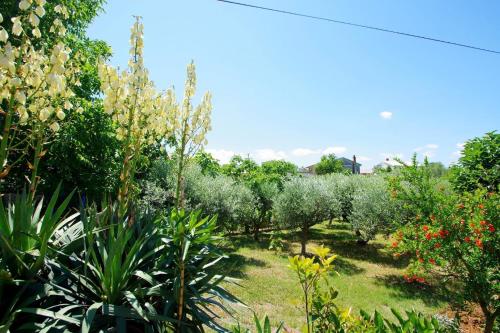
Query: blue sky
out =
(295, 88)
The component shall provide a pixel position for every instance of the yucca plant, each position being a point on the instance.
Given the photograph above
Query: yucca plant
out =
(110, 271)
(28, 237)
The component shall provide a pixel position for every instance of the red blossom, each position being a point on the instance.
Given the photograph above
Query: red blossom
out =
(467, 239)
(479, 243)
(420, 260)
(428, 236)
(432, 261)
(481, 206)
(483, 222)
(491, 227)
(437, 245)
(425, 228)
(395, 244)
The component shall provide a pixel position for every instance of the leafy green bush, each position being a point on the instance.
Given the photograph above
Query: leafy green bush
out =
(303, 203)
(233, 203)
(453, 233)
(478, 166)
(373, 210)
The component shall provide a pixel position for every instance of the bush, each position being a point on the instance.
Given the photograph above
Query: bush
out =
(372, 208)
(303, 203)
(233, 203)
(479, 165)
(453, 233)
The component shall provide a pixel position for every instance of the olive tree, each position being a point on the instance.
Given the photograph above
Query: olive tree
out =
(372, 208)
(303, 203)
(233, 203)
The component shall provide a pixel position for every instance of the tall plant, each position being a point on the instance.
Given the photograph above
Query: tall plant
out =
(142, 115)
(35, 79)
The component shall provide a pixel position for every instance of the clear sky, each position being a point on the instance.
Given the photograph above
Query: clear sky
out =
(294, 88)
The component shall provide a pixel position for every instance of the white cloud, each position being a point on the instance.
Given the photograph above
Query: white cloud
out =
(460, 146)
(301, 152)
(268, 154)
(334, 150)
(386, 114)
(221, 154)
(427, 146)
(457, 153)
(362, 159)
(428, 153)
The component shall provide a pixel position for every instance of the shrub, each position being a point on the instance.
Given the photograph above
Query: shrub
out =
(478, 166)
(454, 233)
(303, 203)
(372, 208)
(233, 203)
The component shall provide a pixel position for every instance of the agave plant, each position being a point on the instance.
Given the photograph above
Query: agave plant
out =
(29, 234)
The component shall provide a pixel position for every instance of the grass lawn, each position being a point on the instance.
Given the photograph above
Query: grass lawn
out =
(369, 277)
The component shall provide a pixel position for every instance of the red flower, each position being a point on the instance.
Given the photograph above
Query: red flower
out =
(420, 279)
(432, 261)
(479, 243)
(425, 228)
(395, 244)
(437, 245)
(467, 239)
(483, 222)
(481, 206)
(428, 236)
(443, 233)
(491, 227)
(436, 235)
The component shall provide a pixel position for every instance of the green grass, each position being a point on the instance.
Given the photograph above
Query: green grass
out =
(368, 277)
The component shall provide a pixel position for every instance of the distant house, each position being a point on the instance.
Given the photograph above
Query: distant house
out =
(347, 163)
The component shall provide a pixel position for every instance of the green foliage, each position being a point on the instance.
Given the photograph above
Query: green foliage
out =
(260, 327)
(309, 272)
(303, 203)
(437, 169)
(455, 233)
(208, 164)
(240, 168)
(414, 323)
(373, 211)
(233, 203)
(29, 235)
(276, 242)
(329, 164)
(88, 141)
(479, 165)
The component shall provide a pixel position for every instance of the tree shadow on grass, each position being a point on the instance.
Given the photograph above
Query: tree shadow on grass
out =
(400, 289)
(344, 243)
(234, 266)
(345, 267)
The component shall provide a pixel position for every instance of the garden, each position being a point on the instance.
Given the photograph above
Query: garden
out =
(114, 218)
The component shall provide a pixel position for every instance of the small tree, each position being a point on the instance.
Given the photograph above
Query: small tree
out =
(329, 164)
(478, 166)
(457, 234)
(303, 203)
(372, 209)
